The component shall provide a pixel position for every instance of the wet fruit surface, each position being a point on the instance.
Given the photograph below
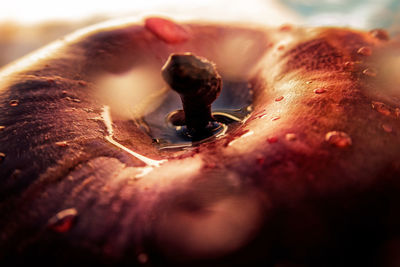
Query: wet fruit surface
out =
(310, 179)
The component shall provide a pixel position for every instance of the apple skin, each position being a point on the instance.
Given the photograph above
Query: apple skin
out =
(257, 196)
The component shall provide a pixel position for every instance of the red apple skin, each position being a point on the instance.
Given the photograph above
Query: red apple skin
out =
(268, 198)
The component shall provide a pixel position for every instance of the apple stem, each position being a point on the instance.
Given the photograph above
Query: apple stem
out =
(198, 83)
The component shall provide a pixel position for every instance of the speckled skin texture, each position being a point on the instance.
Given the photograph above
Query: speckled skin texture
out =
(240, 199)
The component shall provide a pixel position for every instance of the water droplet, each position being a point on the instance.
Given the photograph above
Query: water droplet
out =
(63, 221)
(249, 108)
(381, 108)
(2, 128)
(88, 110)
(279, 98)
(308, 82)
(365, 51)
(339, 139)
(73, 99)
(167, 30)
(320, 91)
(2, 157)
(143, 258)
(291, 136)
(62, 143)
(380, 34)
(275, 118)
(370, 72)
(285, 28)
(272, 139)
(14, 103)
(387, 128)
(349, 65)
(261, 114)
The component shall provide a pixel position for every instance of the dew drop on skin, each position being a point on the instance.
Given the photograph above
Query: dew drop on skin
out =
(61, 144)
(63, 221)
(370, 72)
(76, 100)
(338, 139)
(275, 118)
(365, 51)
(291, 136)
(272, 140)
(14, 103)
(380, 34)
(319, 91)
(348, 65)
(381, 108)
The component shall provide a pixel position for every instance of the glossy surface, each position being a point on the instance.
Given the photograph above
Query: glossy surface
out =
(273, 190)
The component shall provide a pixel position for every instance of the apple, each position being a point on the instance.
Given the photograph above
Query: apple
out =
(309, 177)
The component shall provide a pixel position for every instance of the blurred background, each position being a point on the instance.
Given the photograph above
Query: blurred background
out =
(27, 25)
